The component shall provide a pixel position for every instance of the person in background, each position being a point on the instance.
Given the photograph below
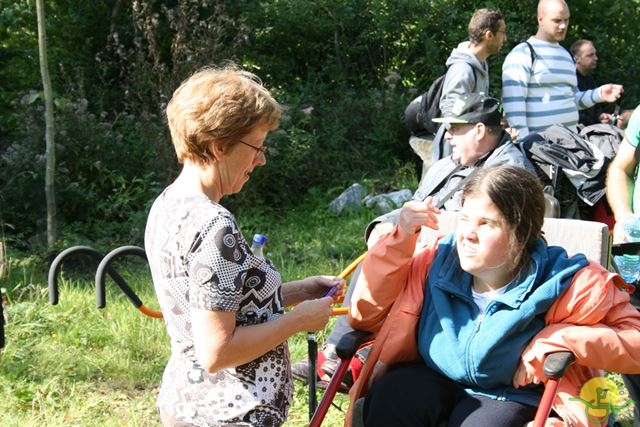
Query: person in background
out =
(474, 131)
(467, 66)
(539, 85)
(623, 195)
(478, 140)
(224, 307)
(467, 72)
(463, 322)
(623, 119)
(586, 58)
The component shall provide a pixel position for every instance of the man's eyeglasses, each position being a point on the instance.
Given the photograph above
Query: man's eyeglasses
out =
(458, 127)
(258, 149)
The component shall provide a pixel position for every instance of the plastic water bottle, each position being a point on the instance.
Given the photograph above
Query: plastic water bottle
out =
(257, 247)
(629, 265)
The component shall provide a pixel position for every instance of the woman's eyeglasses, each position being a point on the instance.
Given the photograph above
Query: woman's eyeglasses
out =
(258, 149)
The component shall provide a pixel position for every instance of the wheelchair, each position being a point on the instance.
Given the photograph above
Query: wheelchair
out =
(588, 237)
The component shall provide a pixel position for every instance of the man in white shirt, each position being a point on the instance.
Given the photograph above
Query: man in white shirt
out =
(539, 81)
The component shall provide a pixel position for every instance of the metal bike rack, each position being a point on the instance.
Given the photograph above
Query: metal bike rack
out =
(105, 267)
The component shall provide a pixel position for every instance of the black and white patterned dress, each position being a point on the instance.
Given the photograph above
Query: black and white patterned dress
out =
(199, 258)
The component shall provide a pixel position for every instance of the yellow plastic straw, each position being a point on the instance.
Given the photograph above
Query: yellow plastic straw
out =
(339, 311)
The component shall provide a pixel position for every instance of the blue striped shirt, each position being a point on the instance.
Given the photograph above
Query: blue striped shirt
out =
(536, 96)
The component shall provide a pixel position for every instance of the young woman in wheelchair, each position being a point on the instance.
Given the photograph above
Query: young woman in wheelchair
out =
(463, 323)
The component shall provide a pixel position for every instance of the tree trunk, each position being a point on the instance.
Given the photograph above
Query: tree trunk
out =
(4, 258)
(50, 151)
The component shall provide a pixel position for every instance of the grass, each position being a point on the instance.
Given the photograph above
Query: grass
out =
(75, 365)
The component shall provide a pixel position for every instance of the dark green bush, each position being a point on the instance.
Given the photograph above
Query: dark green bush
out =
(326, 141)
(107, 170)
(327, 61)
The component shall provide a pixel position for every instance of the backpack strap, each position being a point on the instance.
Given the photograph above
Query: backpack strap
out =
(449, 194)
(532, 52)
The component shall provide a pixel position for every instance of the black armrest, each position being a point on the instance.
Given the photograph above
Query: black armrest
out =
(557, 363)
(350, 343)
(628, 248)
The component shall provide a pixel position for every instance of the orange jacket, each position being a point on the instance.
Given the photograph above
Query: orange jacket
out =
(595, 321)
(594, 314)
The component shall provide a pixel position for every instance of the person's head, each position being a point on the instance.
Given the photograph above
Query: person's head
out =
(488, 26)
(220, 109)
(585, 55)
(473, 127)
(553, 20)
(500, 221)
(623, 119)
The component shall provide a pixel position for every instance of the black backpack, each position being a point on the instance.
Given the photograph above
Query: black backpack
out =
(430, 105)
(419, 114)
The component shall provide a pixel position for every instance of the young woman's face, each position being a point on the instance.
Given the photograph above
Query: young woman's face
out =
(483, 241)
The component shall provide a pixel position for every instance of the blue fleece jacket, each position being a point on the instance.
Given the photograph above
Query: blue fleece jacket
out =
(481, 350)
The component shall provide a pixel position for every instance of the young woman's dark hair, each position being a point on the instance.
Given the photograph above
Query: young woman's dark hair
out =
(517, 193)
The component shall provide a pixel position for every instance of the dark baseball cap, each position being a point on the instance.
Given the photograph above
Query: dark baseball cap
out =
(474, 108)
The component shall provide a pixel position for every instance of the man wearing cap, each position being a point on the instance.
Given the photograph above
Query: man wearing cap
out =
(467, 72)
(478, 140)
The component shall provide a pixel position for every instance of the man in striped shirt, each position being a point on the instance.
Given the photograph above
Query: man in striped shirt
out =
(539, 85)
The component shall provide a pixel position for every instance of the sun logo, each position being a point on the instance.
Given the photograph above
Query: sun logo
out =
(601, 398)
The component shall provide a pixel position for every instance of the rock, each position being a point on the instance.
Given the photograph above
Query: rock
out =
(384, 203)
(349, 200)
(422, 147)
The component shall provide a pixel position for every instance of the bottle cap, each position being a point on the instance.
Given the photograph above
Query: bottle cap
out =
(259, 239)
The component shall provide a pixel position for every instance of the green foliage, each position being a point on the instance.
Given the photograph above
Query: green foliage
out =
(74, 364)
(18, 54)
(344, 69)
(105, 171)
(327, 141)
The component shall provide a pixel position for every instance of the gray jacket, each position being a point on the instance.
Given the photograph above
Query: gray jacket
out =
(443, 179)
(465, 74)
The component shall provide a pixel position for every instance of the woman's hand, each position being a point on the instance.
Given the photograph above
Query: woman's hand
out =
(522, 377)
(313, 287)
(219, 343)
(415, 215)
(312, 315)
(320, 286)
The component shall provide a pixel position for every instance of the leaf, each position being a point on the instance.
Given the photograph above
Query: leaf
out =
(31, 98)
(60, 103)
